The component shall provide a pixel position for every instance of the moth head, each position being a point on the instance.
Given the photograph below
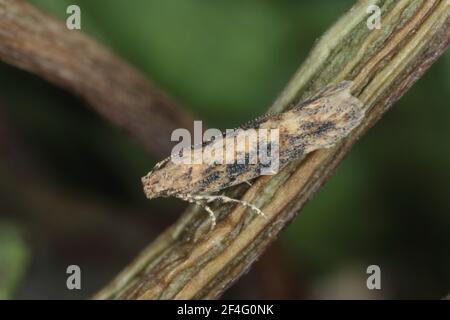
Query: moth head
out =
(153, 187)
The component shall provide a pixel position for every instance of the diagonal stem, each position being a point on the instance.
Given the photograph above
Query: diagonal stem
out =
(187, 262)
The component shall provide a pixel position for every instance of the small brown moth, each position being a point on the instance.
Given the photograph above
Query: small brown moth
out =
(316, 123)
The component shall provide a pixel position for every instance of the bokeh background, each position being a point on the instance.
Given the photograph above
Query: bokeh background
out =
(70, 189)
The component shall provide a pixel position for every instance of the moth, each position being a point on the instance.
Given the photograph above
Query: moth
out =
(316, 123)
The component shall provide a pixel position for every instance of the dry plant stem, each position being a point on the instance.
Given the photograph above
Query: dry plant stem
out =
(40, 44)
(186, 262)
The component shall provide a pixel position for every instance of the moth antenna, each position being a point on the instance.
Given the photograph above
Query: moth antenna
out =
(160, 164)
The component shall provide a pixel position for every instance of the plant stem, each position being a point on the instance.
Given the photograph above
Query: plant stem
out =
(187, 262)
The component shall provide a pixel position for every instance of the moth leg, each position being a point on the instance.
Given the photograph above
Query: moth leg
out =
(212, 216)
(192, 199)
(248, 182)
(226, 199)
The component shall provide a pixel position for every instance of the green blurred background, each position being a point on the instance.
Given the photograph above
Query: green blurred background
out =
(70, 189)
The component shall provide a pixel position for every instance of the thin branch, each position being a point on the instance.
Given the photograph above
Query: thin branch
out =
(187, 262)
(40, 44)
